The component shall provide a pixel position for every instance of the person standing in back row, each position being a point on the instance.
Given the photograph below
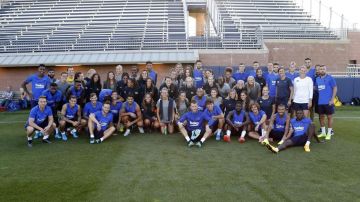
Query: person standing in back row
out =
(303, 92)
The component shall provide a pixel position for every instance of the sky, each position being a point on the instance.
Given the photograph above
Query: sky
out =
(350, 9)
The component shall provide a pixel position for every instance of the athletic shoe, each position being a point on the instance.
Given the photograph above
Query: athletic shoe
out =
(241, 140)
(57, 136)
(141, 130)
(199, 144)
(265, 142)
(190, 143)
(74, 134)
(227, 138)
(272, 148)
(98, 141)
(218, 136)
(92, 140)
(307, 147)
(127, 132)
(281, 141)
(328, 137)
(46, 141)
(37, 134)
(322, 135)
(29, 143)
(64, 137)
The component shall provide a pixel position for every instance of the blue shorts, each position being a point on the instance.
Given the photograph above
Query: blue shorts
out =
(300, 106)
(299, 140)
(326, 109)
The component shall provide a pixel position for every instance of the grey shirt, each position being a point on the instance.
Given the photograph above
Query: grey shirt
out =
(253, 92)
(165, 109)
(63, 86)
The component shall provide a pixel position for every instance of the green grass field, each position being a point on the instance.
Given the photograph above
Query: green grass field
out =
(153, 167)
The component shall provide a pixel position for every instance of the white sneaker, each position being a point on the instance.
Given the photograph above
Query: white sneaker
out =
(141, 130)
(127, 132)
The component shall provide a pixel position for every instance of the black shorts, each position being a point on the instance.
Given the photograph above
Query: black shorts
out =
(276, 135)
(282, 100)
(326, 109)
(98, 134)
(194, 137)
(299, 140)
(69, 125)
(300, 106)
(43, 124)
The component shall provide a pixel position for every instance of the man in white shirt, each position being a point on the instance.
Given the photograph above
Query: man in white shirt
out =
(303, 92)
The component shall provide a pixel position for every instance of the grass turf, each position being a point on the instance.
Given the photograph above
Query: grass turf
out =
(153, 167)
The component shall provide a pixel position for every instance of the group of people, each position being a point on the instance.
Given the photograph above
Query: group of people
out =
(276, 105)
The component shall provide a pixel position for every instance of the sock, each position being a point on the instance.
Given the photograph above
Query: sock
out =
(307, 142)
(92, 136)
(56, 130)
(29, 138)
(187, 138)
(202, 140)
(263, 132)
(63, 133)
(323, 130)
(329, 131)
(228, 132)
(102, 139)
(45, 137)
(218, 131)
(243, 133)
(73, 130)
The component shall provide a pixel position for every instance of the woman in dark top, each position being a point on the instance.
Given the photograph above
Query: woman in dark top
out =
(142, 78)
(94, 86)
(260, 79)
(121, 85)
(209, 85)
(230, 102)
(148, 108)
(240, 86)
(110, 82)
(132, 88)
(172, 88)
(182, 105)
(245, 100)
(267, 104)
(152, 89)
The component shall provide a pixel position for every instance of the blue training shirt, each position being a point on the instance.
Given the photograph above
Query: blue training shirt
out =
(153, 76)
(209, 114)
(104, 93)
(89, 108)
(325, 86)
(115, 109)
(71, 113)
(199, 80)
(271, 83)
(241, 76)
(103, 120)
(194, 120)
(38, 115)
(300, 127)
(279, 123)
(238, 118)
(201, 102)
(52, 99)
(38, 85)
(292, 76)
(256, 118)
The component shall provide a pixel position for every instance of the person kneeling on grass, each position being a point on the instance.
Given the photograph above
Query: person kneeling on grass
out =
(71, 118)
(101, 124)
(194, 122)
(278, 125)
(258, 119)
(237, 120)
(300, 133)
(215, 116)
(130, 114)
(40, 120)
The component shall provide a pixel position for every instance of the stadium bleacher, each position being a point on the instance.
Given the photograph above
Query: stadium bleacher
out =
(101, 25)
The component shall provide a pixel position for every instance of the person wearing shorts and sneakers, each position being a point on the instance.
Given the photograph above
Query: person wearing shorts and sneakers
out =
(237, 120)
(279, 125)
(101, 124)
(327, 88)
(303, 92)
(192, 123)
